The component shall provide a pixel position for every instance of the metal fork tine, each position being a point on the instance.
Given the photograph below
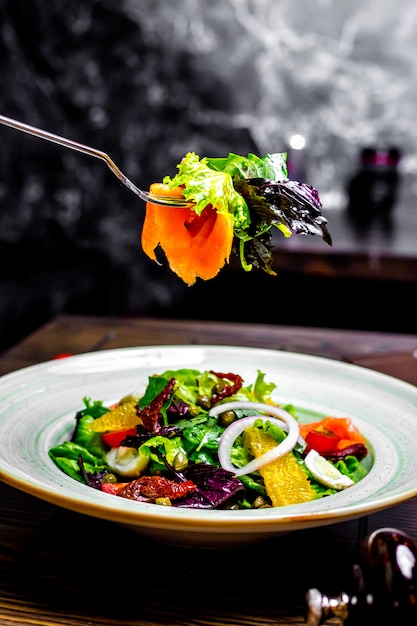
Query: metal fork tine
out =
(166, 201)
(74, 145)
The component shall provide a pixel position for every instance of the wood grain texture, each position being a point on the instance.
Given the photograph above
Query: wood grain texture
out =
(77, 334)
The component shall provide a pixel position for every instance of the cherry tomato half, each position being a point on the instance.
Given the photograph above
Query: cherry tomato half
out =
(114, 439)
(321, 441)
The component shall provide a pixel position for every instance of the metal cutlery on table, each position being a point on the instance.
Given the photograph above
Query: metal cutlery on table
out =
(74, 145)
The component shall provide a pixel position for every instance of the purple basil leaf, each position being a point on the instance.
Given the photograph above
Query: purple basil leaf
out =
(216, 488)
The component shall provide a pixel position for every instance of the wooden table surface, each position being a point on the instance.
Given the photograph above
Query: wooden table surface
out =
(58, 567)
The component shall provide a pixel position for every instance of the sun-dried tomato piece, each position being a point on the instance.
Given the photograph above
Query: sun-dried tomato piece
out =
(156, 487)
(151, 413)
(228, 390)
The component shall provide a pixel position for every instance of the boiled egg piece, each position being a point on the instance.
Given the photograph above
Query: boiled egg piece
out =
(326, 473)
(126, 461)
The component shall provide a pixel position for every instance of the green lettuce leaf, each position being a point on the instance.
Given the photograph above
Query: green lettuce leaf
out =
(271, 166)
(204, 186)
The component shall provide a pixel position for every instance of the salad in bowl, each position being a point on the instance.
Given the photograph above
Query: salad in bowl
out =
(206, 440)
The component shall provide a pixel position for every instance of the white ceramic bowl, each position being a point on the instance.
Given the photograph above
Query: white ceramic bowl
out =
(38, 405)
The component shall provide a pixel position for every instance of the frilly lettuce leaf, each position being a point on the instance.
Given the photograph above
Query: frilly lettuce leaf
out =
(204, 185)
(258, 194)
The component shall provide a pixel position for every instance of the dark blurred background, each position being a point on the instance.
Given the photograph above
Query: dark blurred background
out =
(147, 81)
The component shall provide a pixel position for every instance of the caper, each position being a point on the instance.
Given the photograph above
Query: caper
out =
(226, 418)
(180, 461)
(163, 501)
(110, 479)
(204, 401)
(260, 503)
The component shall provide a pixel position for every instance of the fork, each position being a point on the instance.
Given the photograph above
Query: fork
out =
(74, 145)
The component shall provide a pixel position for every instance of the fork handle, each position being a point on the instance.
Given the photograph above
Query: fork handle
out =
(74, 145)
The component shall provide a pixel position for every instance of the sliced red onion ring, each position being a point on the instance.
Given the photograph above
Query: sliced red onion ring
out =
(282, 418)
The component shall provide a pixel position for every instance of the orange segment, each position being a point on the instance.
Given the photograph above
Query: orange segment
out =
(285, 481)
(196, 246)
(122, 417)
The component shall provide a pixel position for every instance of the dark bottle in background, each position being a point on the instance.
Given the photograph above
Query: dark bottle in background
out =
(373, 189)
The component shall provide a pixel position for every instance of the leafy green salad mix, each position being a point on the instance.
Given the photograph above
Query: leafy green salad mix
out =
(204, 439)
